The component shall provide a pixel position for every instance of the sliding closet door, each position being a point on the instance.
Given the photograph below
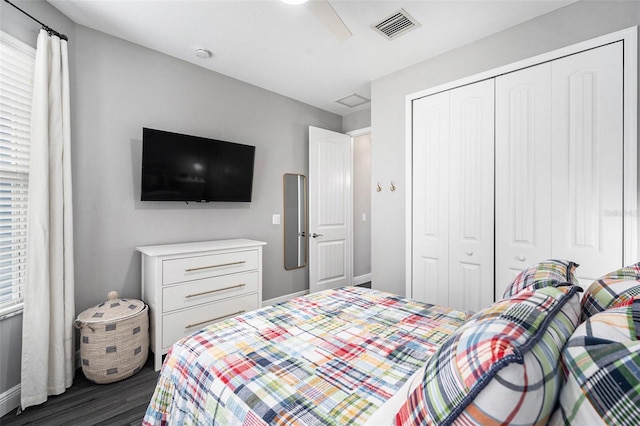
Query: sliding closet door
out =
(523, 171)
(587, 160)
(471, 196)
(430, 260)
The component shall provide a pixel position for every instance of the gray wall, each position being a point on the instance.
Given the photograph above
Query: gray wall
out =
(569, 25)
(121, 87)
(116, 89)
(356, 120)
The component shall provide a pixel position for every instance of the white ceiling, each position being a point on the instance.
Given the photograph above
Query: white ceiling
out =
(287, 50)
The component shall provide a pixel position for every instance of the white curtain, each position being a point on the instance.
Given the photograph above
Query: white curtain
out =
(47, 329)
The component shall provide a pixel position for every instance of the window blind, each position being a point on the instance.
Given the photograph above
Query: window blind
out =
(16, 88)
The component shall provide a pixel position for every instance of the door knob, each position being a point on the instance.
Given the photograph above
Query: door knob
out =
(469, 253)
(522, 258)
(314, 235)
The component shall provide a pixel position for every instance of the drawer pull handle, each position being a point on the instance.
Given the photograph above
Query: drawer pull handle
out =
(215, 319)
(215, 266)
(214, 291)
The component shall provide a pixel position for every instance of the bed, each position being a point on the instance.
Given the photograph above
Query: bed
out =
(333, 357)
(540, 355)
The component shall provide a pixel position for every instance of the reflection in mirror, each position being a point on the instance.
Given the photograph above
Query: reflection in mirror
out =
(295, 221)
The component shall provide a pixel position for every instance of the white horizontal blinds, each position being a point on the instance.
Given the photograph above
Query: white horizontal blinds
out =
(16, 87)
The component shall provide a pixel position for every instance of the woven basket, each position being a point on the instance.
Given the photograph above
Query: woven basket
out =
(114, 339)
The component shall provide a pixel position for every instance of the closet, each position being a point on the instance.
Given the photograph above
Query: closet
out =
(519, 167)
(559, 162)
(453, 196)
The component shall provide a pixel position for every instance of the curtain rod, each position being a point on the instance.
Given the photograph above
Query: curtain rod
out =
(48, 29)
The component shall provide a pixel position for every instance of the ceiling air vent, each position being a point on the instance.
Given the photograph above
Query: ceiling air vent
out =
(353, 100)
(395, 25)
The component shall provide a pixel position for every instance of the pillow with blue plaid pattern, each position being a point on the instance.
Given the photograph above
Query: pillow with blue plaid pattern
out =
(616, 287)
(601, 362)
(551, 272)
(501, 366)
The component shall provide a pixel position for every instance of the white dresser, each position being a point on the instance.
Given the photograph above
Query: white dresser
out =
(191, 285)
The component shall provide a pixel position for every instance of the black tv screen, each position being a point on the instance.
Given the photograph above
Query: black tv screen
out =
(178, 167)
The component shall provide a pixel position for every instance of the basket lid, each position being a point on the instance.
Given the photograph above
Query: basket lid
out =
(113, 309)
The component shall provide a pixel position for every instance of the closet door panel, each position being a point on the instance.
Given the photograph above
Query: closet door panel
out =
(523, 171)
(431, 199)
(471, 203)
(587, 160)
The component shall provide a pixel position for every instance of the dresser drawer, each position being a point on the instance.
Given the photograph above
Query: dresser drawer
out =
(199, 267)
(182, 323)
(208, 290)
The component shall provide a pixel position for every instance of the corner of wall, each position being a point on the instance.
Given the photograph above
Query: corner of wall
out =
(356, 120)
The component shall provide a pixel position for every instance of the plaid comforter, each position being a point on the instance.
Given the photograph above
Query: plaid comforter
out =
(332, 357)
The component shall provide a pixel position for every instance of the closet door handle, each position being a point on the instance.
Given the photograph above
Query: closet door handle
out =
(521, 258)
(469, 253)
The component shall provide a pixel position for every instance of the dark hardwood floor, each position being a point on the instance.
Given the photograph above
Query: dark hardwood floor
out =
(86, 403)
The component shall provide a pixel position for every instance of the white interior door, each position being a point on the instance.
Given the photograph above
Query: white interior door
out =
(523, 171)
(471, 200)
(430, 251)
(329, 209)
(587, 160)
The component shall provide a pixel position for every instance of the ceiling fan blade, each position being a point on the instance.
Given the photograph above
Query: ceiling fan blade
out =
(322, 10)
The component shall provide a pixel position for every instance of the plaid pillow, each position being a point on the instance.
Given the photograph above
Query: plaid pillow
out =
(543, 274)
(501, 366)
(612, 289)
(601, 362)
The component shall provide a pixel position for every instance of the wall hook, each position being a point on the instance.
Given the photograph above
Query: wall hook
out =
(393, 187)
(378, 187)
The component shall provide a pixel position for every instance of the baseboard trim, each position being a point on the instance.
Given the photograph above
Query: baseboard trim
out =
(9, 400)
(361, 279)
(284, 298)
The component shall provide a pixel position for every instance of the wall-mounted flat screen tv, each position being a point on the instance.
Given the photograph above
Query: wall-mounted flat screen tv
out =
(177, 167)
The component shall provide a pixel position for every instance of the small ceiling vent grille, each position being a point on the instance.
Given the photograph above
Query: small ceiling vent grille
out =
(395, 25)
(353, 100)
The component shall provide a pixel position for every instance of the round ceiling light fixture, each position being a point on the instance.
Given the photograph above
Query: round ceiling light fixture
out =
(294, 2)
(203, 53)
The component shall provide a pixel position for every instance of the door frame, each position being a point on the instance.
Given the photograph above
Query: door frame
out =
(367, 278)
(629, 37)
